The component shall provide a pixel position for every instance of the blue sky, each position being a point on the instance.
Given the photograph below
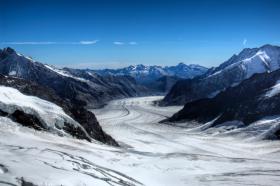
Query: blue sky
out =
(112, 33)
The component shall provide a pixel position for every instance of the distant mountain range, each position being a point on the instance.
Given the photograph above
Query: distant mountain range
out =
(147, 73)
(152, 76)
(229, 74)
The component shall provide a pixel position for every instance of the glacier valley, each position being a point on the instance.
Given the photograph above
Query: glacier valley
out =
(150, 153)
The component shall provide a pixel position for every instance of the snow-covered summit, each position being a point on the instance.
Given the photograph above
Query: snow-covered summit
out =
(232, 72)
(251, 61)
(148, 73)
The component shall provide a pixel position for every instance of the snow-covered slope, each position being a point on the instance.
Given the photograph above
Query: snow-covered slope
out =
(230, 73)
(74, 110)
(65, 73)
(36, 158)
(51, 117)
(265, 59)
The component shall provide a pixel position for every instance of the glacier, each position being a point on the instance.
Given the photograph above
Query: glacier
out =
(151, 153)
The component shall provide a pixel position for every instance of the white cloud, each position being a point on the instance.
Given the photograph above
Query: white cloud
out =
(133, 43)
(95, 65)
(244, 41)
(30, 43)
(88, 42)
(118, 43)
(123, 43)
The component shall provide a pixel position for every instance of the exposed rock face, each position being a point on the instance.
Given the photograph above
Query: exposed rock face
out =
(26, 183)
(27, 120)
(163, 84)
(85, 118)
(230, 73)
(251, 100)
(114, 86)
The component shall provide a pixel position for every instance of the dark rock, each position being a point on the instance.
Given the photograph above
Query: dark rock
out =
(91, 125)
(163, 84)
(27, 120)
(26, 183)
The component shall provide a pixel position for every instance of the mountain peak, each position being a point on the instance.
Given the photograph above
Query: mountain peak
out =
(181, 64)
(5, 52)
(250, 51)
(8, 50)
(269, 46)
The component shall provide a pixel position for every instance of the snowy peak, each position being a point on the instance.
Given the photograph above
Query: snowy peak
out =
(148, 73)
(252, 60)
(232, 72)
(185, 71)
(151, 76)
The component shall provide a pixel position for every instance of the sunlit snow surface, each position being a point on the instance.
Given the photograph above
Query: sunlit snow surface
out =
(151, 154)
